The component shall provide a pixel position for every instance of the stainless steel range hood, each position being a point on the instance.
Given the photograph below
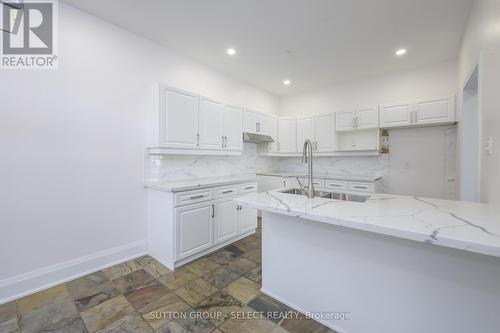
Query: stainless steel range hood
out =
(256, 138)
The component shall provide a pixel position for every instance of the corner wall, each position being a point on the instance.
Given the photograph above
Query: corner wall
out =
(72, 142)
(481, 46)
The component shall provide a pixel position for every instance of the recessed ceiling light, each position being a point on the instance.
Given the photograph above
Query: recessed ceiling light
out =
(231, 51)
(286, 82)
(401, 52)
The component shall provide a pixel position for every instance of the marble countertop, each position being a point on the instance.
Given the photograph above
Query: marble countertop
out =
(359, 178)
(199, 183)
(472, 227)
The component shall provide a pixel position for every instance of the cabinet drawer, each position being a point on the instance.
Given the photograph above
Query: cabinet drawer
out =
(361, 187)
(318, 182)
(190, 197)
(247, 188)
(336, 184)
(223, 192)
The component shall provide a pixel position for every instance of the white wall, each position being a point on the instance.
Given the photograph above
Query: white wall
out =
(72, 143)
(481, 46)
(424, 82)
(405, 171)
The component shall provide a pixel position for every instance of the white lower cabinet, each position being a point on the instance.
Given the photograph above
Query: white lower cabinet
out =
(185, 225)
(226, 221)
(194, 224)
(247, 219)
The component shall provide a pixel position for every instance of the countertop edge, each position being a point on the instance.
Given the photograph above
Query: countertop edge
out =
(215, 183)
(398, 233)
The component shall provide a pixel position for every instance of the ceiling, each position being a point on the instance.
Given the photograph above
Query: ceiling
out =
(314, 43)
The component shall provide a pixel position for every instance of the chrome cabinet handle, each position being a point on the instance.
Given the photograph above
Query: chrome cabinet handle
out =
(248, 187)
(197, 197)
(228, 191)
(362, 187)
(222, 141)
(213, 210)
(197, 139)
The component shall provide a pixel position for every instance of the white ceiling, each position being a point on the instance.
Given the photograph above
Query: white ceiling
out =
(312, 42)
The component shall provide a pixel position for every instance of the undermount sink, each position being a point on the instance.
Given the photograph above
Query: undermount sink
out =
(330, 195)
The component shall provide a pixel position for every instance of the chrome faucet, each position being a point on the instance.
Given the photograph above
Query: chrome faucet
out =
(308, 150)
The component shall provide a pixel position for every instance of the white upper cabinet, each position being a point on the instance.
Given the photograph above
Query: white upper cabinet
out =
(233, 122)
(273, 132)
(178, 118)
(424, 112)
(344, 121)
(436, 110)
(305, 131)
(395, 115)
(319, 129)
(362, 118)
(250, 121)
(366, 117)
(324, 132)
(262, 125)
(210, 124)
(287, 135)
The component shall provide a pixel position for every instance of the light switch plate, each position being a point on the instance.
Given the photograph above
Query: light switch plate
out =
(488, 145)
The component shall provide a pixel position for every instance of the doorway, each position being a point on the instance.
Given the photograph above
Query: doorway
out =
(470, 143)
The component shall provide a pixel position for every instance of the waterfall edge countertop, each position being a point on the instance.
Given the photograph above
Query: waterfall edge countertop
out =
(358, 178)
(473, 227)
(200, 183)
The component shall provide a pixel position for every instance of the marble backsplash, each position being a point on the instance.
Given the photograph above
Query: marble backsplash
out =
(178, 167)
(422, 161)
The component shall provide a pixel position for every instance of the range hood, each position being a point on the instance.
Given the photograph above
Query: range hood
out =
(256, 138)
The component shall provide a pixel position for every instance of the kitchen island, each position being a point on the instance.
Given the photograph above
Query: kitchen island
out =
(393, 263)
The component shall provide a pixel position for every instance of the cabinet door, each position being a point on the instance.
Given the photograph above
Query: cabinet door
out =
(305, 131)
(367, 117)
(178, 118)
(272, 128)
(395, 115)
(287, 135)
(233, 128)
(344, 121)
(249, 121)
(226, 221)
(194, 229)
(210, 124)
(324, 131)
(436, 110)
(261, 125)
(247, 218)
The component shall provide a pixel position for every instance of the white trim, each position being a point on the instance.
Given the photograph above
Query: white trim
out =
(300, 309)
(28, 283)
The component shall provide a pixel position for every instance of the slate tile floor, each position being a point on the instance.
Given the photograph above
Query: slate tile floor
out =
(135, 296)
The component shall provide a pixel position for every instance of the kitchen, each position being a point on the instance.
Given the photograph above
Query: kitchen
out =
(188, 160)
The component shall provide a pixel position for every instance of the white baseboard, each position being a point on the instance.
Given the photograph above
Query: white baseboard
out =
(25, 284)
(300, 309)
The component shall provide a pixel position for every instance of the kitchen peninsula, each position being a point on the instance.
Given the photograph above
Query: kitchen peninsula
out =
(394, 263)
